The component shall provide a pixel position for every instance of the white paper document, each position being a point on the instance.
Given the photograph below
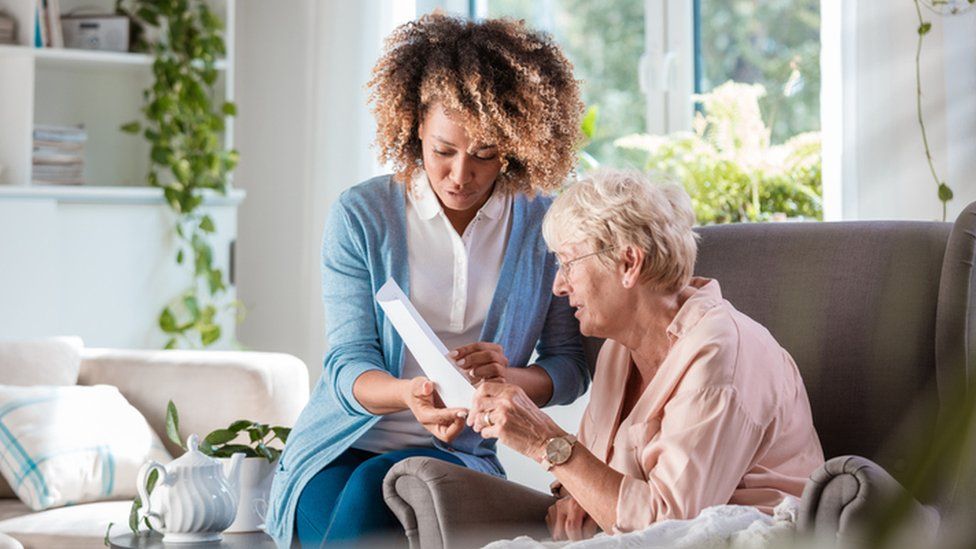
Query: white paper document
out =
(425, 346)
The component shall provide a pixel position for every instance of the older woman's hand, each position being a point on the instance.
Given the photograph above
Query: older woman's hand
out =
(503, 411)
(567, 520)
(444, 423)
(481, 360)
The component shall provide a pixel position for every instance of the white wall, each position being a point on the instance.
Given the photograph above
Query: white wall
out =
(273, 82)
(305, 134)
(97, 265)
(891, 179)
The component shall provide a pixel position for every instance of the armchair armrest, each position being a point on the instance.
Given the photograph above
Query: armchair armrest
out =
(211, 389)
(443, 505)
(846, 493)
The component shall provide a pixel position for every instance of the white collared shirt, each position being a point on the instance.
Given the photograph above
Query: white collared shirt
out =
(452, 283)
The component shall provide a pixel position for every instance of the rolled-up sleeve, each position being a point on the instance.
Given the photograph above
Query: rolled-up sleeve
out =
(347, 295)
(560, 350)
(706, 443)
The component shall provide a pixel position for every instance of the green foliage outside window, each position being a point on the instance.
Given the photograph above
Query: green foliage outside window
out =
(775, 43)
(728, 165)
(604, 41)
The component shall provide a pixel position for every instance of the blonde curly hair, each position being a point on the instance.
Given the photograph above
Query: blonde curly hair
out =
(507, 85)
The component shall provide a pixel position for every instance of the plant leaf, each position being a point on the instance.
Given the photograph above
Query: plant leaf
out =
(262, 429)
(221, 436)
(173, 424)
(131, 127)
(151, 480)
(134, 515)
(282, 433)
(167, 322)
(206, 448)
(229, 109)
(924, 28)
(230, 449)
(209, 334)
(216, 280)
(588, 126)
(179, 257)
(192, 305)
(170, 344)
(240, 424)
(945, 193)
(207, 224)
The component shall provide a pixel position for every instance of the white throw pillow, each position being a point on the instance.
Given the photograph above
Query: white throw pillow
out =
(66, 445)
(47, 361)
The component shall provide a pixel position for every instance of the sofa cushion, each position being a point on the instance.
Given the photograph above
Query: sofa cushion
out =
(67, 445)
(49, 361)
(7, 542)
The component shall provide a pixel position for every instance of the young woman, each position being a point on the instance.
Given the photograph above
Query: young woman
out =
(479, 119)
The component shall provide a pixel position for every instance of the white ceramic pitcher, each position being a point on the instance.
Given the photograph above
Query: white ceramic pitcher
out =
(193, 499)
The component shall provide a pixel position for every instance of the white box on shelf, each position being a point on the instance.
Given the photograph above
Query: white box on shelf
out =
(96, 32)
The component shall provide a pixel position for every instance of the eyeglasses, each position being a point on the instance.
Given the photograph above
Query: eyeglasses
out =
(567, 267)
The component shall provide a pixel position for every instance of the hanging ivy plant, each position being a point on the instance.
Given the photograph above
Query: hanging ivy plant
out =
(944, 7)
(183, 125)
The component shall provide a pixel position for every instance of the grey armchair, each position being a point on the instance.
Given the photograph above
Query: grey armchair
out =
(878, 315)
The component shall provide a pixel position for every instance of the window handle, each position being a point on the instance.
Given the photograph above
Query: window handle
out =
(655, 71)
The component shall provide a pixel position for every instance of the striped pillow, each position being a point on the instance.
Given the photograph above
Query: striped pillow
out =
(66, 445)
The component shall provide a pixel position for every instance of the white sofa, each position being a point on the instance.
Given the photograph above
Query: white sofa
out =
(210, 388)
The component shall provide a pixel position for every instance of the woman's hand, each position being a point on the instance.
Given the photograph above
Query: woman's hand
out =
(567, 520)
(481, 360)
(444, 423)
(503, 411)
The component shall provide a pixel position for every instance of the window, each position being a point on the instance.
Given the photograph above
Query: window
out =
(775, 43)
(604, 46)
(745, 152)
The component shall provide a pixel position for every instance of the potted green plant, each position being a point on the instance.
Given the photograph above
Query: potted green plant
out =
(253, 439)
(184, 125)
(257, 469)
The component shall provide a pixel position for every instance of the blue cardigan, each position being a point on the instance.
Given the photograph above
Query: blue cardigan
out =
(365, 244)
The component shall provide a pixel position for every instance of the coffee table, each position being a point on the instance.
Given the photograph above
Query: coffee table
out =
(152, 540)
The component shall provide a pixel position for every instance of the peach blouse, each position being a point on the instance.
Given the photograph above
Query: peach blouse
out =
(725, 419)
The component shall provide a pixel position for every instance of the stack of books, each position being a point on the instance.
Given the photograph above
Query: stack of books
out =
(8, 31)
(59, 155)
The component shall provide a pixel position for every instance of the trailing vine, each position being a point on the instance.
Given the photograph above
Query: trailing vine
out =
(183, 125)
(944, 191)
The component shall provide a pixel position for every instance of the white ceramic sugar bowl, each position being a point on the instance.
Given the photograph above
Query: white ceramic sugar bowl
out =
(193, 500)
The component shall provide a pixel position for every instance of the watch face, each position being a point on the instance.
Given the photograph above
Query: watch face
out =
(559, 450)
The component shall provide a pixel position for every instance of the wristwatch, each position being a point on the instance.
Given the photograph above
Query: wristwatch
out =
(558, 451)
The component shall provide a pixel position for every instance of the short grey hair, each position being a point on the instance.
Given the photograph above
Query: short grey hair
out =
(618, 208)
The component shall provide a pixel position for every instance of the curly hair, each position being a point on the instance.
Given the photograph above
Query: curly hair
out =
(507, 85)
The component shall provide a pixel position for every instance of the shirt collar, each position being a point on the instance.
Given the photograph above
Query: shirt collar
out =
(422, 196)
(708, 294)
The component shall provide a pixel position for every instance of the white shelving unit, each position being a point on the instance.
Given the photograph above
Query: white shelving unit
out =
(101, 90)
(94, 260)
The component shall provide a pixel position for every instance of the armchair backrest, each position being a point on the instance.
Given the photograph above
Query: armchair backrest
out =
(874, 313)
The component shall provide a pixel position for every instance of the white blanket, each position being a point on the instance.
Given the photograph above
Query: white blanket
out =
(721, 526)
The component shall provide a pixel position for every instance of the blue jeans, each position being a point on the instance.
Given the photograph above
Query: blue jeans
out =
(344, 501)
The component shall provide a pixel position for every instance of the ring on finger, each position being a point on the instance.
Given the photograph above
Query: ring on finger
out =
(487, 419)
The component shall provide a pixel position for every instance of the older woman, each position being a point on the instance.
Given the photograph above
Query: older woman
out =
(476, 118)
(693, 403)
